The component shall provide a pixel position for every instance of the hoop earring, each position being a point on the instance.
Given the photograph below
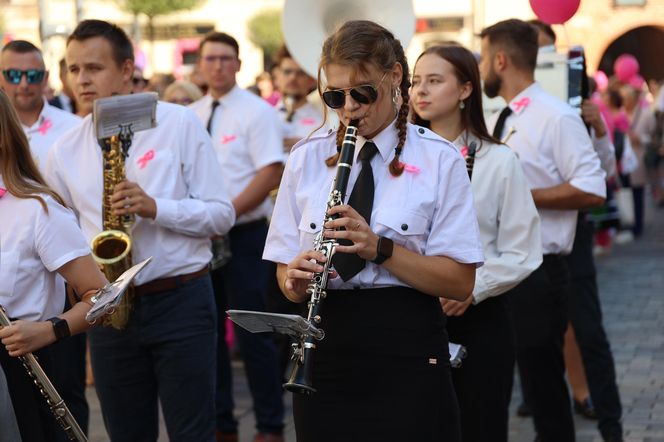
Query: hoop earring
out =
(462, 105)
(396, 93)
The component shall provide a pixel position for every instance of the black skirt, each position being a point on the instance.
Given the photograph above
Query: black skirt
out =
(381, 373)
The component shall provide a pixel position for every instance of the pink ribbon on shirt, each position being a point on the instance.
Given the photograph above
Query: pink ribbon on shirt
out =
(225, 139)
(45, 126)
(2, 192)
(308, 121)
(464, 151)
(410, 168)
(145, 159)
(522, 103)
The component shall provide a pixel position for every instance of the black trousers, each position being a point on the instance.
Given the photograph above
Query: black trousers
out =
(483, 383)
(585, 313)
(382, 372)
(35, 421)
(539, 311)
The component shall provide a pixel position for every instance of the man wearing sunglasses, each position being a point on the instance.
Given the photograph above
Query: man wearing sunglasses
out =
(24, 78)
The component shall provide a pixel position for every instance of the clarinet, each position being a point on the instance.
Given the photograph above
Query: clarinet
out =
(470, 159)
(45, 387)
(300, 378)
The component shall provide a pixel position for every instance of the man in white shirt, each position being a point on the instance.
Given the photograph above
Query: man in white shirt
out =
(585, 311)
(564, 175)
(300, 117)
(24, 77)
(166, 352)
(247, 137)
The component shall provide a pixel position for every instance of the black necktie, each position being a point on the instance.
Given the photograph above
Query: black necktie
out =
(361, 199)
(500, 124)
(215, 103)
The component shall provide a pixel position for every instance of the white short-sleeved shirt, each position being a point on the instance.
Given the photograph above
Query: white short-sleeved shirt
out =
(306, 119)
(173, 163)
(554, 147)
(50, 125)
(247, 136)
(428, 209)
(507, 216)
(33, 245)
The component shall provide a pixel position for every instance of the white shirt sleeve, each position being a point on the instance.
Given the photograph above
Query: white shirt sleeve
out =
(58, 239)
(283, 237)
(606, 153)
(575, 158)
(265, 138)
(207, 210)
(518, 241)
(454, 230)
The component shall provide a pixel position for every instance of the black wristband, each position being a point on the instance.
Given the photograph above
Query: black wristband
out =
(383, 250)
(60, 327)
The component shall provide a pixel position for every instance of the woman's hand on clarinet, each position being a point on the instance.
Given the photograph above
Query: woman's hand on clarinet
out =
(299, 273)
(26, 336)
(365, 241)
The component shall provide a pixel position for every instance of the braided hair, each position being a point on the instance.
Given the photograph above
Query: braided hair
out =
(359, 43)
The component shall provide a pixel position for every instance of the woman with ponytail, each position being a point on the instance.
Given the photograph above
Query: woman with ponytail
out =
(447, 98)
(39, 239)
(382, 372)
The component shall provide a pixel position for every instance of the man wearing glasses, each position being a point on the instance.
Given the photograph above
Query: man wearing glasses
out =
(247, 137)
(24, 78)
(300, 116)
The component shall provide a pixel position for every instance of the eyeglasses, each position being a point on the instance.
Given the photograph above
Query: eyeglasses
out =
(32, 76)
(363, 94)
(222, 58)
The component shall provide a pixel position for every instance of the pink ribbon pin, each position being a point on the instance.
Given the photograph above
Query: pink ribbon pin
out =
(143, 161)
(464, 151)
(521, 104)
(2, 192)
(225, 139)
(410, 168)
(45, 126)
(308, 121)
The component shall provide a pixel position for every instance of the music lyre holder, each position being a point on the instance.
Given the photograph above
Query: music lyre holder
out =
(124, 115)
(260, 322)
(109, 297)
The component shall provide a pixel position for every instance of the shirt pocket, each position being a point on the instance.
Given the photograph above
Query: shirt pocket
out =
(310, 224)
(8, 270)
(155, 171)
(408, 228)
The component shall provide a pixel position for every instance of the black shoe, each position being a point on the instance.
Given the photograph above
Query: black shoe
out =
(585, 408)
(523, 410)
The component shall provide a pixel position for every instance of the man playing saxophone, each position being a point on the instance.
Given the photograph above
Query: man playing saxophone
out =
(166, 352)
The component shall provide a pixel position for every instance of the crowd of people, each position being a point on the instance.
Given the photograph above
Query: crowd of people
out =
(455, 229)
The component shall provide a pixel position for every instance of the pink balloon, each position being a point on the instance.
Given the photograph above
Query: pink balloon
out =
(602, 80)
(625, 67)
(555, 12)
(636, 81)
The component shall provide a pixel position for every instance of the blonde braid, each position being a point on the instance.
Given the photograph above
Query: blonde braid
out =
(341, 132)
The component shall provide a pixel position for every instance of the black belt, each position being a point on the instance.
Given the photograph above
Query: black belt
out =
(168, 284)
(249, 226)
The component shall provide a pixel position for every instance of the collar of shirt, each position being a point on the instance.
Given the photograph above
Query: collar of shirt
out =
(385, 141)
(524, 98)
(43, 115)
(225, 100)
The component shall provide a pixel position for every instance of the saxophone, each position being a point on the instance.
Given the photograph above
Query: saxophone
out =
(45, 387)
(112, 247)
(300, 378)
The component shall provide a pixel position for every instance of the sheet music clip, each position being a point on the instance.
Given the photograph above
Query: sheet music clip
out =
(260, 322)
(457, 353)
(108, 297)
(133, 112)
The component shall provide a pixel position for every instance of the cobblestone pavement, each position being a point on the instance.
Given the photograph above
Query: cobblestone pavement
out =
(631, 282)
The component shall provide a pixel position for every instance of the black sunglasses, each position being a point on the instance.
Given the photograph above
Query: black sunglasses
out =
(364, 94)
(32, 76)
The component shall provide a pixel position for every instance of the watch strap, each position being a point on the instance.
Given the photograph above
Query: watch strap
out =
(60, 328)
(383, 250)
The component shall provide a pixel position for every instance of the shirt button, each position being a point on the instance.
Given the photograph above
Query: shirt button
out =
(420, 130)
(404, 227)
(312, 225)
